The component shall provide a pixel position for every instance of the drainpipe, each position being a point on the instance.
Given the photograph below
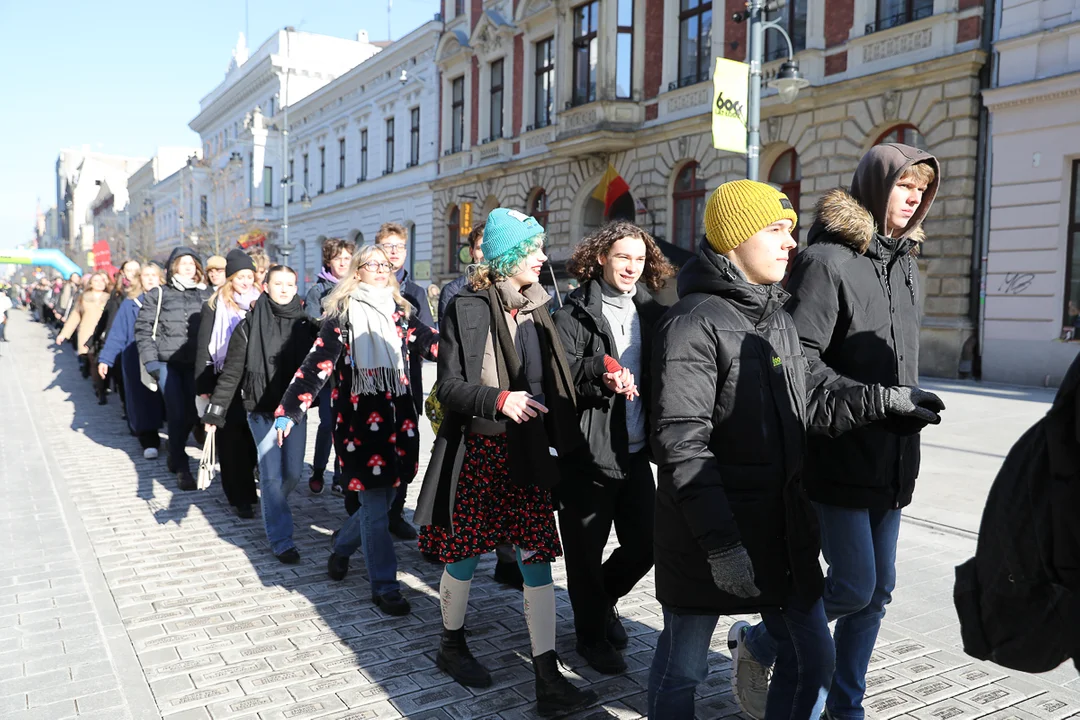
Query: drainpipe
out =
(983, 181)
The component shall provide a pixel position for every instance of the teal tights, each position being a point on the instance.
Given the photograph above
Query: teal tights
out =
(534, 574)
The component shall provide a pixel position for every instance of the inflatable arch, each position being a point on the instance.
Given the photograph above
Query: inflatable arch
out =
(51, 257)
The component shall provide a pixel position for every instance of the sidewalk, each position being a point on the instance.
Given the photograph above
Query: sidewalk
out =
(121, 598)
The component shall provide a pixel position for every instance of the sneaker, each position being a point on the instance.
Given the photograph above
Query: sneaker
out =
(289, 557)
(336, 487)
(150, 453)
(616, 633)
(315, 483)
(186, 481)
(602, 656)
(392, 603)
(749, 678)
(245, 511)
(337, 566)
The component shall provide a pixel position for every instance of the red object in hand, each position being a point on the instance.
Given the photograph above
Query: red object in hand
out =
(502, 400)
(611, 365)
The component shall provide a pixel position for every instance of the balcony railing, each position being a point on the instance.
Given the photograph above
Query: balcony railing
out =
(689, 80)
(899, 19)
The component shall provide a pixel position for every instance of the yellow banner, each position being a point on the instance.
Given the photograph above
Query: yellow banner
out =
(731, 82)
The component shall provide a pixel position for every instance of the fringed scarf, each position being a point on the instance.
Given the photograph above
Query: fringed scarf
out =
(377, 358)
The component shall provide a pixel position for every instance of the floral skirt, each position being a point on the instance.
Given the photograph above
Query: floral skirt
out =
(490, 510)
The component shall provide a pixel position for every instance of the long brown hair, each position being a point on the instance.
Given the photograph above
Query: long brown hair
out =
(584, 263)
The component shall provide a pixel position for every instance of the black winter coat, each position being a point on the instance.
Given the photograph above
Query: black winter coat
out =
(586, 337)
(855, 301)
(178, 325)
(450, 291)
(729, 407)
(315, 295)
(417, 296)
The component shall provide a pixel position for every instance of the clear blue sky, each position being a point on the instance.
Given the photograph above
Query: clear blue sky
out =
(126, 76)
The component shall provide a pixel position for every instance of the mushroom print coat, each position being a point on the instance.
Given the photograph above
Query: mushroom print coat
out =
(376, 437)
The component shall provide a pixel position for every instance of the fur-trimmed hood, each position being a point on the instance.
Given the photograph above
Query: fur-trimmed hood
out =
(840, 218)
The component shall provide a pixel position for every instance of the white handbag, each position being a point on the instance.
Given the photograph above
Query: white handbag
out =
(208, 462)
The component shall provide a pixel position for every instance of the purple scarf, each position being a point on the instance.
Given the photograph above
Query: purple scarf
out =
(328, 276)
(225, 321)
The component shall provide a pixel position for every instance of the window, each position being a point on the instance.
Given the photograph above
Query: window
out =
(624, 49)
(495, 125)
(203, 214)
(411, 257)
(792, 18)
(585, 52)
(289, 180)
(1072, 269)
(305, 177)
(414, 136)
(269, 107)
(363, 154)
(544, 83)
(688, 199)
(457, 114)
(905, 135)
(538, 207)
(453, 237)
(341, 162)
(786, 173)
(268, 186)
(322, 170)
(695, 42)
(891, 13)
(459, 7)
(389, 145)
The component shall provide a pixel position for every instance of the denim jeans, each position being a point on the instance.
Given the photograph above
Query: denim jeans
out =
(324, 439)
(177, 383)
(370, 528)
(860, 547)
(803, 668)
(280, 469)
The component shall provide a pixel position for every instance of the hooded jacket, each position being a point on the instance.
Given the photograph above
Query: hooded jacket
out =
(856, 303)
(729, 414)
(178, 320)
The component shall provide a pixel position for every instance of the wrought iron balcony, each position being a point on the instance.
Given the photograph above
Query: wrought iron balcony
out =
(689, 80)
(899, 19)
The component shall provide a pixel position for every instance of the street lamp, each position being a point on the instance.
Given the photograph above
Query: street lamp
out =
(787, 83)
(305, 201)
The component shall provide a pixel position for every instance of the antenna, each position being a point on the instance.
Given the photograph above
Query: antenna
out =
(247, 24)
(389, 8)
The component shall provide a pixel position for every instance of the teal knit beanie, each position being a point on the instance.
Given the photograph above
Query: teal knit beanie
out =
(505, 230)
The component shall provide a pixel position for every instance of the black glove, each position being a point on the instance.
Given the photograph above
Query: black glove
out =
(733, 572)
(913, 402)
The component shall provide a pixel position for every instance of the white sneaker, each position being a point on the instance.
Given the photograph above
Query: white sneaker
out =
(150, 453)
(749, 678)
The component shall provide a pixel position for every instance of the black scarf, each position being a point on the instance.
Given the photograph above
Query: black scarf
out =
(528, 443)
(279, 337)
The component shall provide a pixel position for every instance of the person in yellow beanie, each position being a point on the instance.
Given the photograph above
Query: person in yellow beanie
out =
(734, 530)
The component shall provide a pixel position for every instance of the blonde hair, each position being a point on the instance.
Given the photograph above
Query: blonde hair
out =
(920, 173)
(137, 288)
(229, 297)
(336, 304)
(260, 258)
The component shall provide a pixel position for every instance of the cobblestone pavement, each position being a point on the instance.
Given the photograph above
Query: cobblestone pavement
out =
(122, 598)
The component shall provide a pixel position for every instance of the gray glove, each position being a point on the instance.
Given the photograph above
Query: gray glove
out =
(913, 402)
(733, 572)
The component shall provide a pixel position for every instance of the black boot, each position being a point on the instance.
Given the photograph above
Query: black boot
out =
(601, 656)
(555, 695)
(616, 633)
(456, 661)
(509, 574)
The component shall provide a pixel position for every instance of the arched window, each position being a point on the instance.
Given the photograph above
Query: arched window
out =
(905, 135)
(538, 207)
(356, 236)
(688, 207)
(453, 238)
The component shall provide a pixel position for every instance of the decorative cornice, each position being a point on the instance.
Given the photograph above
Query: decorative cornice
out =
(1031, 99)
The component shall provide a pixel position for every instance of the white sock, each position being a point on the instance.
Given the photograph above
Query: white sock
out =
(454, 600)
(540, 617)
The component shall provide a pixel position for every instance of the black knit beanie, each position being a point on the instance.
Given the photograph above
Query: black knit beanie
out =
(236, 261)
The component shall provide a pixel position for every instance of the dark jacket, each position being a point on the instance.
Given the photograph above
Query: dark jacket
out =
(586, 337)
(1018, 599)
(144, 407)
(418, 297)
(465, 329)
(729, 408)
(315, 295)
(178, 324)
(450, 291)
(855, 301)
(206, 377)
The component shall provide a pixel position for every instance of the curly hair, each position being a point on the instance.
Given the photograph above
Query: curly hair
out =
(332, 247)
(584, 263)
(489, 272)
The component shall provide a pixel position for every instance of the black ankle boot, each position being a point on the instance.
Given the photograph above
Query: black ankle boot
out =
(456, 661)
(555, 694)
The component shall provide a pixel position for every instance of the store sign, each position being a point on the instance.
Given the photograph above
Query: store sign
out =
(731, 83)
(466, 219)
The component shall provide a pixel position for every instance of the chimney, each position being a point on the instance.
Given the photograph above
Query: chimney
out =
(362, 36)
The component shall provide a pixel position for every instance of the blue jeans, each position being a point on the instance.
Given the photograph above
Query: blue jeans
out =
(803, 669)
(860, 547)
(324, 439)
(370, 529)
(177, 383)
(280, 469)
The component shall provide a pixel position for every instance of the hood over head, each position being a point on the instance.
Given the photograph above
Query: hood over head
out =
(877, 174)
(177, 253)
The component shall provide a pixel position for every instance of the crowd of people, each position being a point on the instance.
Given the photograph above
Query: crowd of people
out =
(782, 423)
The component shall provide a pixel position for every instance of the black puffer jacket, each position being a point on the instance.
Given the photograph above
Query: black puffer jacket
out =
(178, 323)
(417, 296)
(729, 407)
(855, 301)
(586, 337)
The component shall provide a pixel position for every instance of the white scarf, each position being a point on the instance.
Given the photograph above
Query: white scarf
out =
(377, 360)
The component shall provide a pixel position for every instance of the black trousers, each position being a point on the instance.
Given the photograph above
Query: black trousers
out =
(589, 509)
(238, 456)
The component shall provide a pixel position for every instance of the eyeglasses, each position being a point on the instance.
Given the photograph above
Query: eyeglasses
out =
(392, 247)
(375, 266)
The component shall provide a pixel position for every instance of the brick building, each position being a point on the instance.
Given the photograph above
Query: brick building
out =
(539, 97)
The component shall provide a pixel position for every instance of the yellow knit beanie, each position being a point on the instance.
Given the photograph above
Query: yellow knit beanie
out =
(739, 209)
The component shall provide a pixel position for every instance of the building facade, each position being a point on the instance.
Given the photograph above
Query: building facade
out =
(540, 97)
(145, 196)
(363, 150)
(1031, 319)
